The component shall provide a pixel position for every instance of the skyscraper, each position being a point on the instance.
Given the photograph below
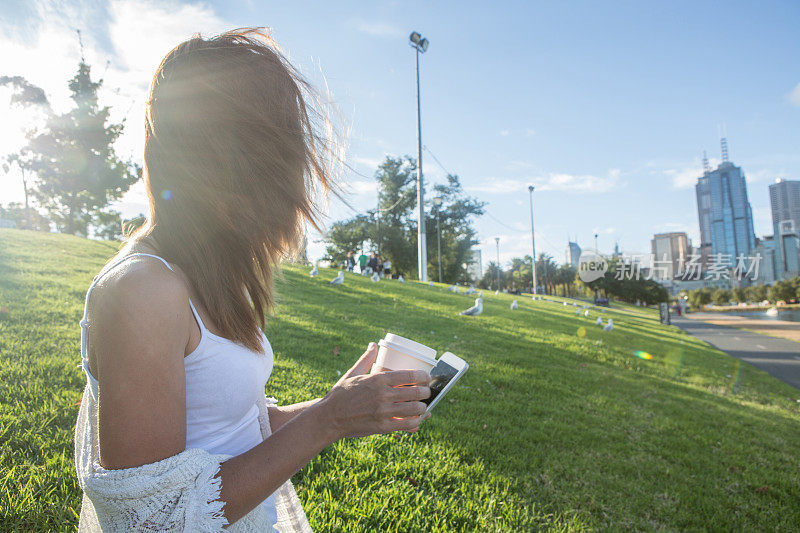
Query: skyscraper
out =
(670, 251)
(784, 198)
(573, 254)
(725, 216)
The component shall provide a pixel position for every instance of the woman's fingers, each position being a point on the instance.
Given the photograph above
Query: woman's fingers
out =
(396, 378)
(410, 394)
(364, 363)
(408, 409)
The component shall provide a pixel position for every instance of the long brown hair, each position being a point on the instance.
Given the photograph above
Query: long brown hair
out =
(234, 157)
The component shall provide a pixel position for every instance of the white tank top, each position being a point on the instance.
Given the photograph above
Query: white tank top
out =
(223, 382)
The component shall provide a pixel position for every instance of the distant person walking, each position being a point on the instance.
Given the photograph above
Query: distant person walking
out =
(387, 268)
(351, 262)
(372, 264)
(362, 263)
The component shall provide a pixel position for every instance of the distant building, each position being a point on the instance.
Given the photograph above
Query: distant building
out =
(573, 254)
(670, 252)
(787, 251)
(766, 266)
(475, 267)
(784, 198)
(724, 212)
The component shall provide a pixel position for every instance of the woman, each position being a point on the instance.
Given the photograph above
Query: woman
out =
(175, 432)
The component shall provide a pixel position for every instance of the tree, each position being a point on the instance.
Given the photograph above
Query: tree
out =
(721, 297)
(699, 298)
(24, 218)
(77, 173)
(391, 228)
(782, 290)
(347, 236)
(546, 271)
(456, 214)
(34, 99)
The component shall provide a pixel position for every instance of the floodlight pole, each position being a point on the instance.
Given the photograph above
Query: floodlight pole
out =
(422, 248)
(533, 244)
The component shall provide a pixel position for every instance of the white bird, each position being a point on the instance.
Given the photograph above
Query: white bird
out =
(514, 305)
(497, 292)
(314, 271)
(475, 310)
(338, 280)
(480, 294)
(471, 290)
(401, 279)
(375, 277)
(454, 288)
(430, 284)
(577, 312)
(586, 314)
(599, 321)
(565, 304)
(609, 326)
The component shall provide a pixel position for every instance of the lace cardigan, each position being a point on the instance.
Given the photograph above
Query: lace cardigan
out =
(179, 493)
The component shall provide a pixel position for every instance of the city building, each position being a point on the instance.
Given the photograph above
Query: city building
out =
(724, 212)
(787, 251)
(670, 252)
(784, 198)
(766, 266)
(475, 267)
(573, 254)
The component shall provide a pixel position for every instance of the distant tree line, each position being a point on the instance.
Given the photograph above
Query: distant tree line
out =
(70, 171)
(781, 291)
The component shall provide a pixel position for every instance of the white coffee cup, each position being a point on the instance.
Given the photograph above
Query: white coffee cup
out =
(399, 353)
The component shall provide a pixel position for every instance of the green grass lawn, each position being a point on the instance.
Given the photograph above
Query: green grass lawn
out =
(557, 425)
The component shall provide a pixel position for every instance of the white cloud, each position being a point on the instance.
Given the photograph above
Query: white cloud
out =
(504, 133)
(554, 181)
(685, 176)
(529, 132)
(585, 183)
(377, 28)
(794, 96)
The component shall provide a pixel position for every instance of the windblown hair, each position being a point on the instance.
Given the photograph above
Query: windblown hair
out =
(235, 155)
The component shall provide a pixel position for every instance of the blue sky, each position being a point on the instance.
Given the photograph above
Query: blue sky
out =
(605, 107)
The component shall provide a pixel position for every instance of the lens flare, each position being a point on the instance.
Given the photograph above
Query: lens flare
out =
(643, 355)
(581, 332)
(166, 194)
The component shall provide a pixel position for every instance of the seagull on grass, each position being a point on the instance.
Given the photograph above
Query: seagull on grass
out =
(514, 305)
(375, 277)
(586, 314)
(401, 279)
(609, 326)
(338, 280)
(599, 321)
(314, 271)
(475, 310)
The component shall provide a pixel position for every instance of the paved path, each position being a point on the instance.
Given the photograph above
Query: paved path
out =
(778, 357)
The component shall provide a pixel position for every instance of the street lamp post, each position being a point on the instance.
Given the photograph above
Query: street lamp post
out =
(533, 244)
(438, 203)
(497, 240)
(596, 249)
(420, 45)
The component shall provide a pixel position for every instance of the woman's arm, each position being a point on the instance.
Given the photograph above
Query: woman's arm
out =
(139, 334)
(279, 415)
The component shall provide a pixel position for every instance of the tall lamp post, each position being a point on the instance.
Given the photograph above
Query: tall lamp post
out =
(533, 244)
(497, 240)
(438, 203)
(420, 45)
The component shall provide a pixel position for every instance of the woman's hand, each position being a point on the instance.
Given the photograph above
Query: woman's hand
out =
(362, 404)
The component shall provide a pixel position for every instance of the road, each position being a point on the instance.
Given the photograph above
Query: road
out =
(778, 357)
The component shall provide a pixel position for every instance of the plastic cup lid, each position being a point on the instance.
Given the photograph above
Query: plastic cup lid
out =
(413, 346)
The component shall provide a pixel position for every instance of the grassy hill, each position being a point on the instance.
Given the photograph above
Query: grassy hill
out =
(557, 425)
